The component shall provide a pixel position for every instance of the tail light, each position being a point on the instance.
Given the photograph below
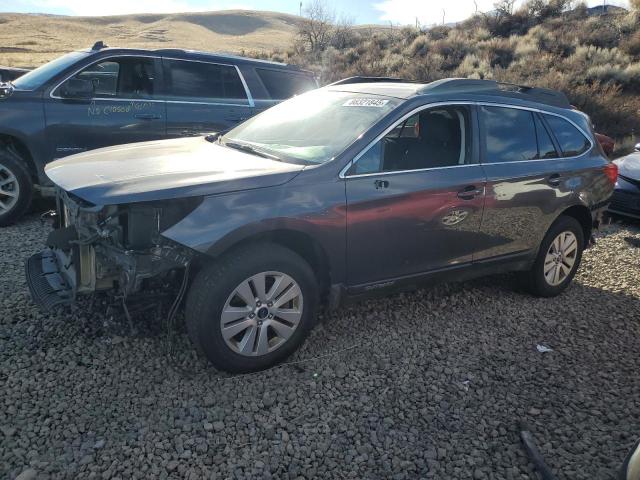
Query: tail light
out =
(611, 171)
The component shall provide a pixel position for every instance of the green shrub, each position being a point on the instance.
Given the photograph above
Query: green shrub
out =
(409, 34)
(498, 52)
(481, 34)
(419, 47)
(438, 33)
(588, 57)
(453, 50)
(631, 44)
(474, 67)
(599, 32)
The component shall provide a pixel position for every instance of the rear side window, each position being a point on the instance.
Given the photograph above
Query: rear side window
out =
(572, 142)
(203, 82)
(510, 135)
(281, 84)
(118, 78)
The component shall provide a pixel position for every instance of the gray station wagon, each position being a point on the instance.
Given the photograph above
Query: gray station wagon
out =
(344, 190)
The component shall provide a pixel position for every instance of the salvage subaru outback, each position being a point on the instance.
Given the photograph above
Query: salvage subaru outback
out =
(354, 187)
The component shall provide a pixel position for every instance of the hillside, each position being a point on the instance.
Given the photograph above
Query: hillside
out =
(594, 59)
(28, 40)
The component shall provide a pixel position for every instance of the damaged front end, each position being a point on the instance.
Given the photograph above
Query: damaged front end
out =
(116, 248)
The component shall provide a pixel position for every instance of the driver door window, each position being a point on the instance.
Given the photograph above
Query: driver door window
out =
(437, 137)
(104, 78)
(121, 78)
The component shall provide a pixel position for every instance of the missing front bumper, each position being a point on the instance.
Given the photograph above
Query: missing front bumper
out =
(48, 286)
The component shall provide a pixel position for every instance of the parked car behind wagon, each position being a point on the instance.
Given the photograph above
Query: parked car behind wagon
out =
(108, 96)
(625, 200)
(347, 189)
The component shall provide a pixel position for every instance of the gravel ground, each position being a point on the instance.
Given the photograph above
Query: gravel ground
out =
(427, 384)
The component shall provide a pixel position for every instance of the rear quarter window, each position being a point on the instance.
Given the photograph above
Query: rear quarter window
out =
(572, 141)
(281, 84)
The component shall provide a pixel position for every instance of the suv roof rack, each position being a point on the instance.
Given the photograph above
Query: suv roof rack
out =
(492, 87)
(361, 79)
(183, 51)
(99, 45)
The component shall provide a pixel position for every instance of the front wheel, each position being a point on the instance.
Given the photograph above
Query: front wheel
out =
(252, 308)
(16, 188)
(558, 259)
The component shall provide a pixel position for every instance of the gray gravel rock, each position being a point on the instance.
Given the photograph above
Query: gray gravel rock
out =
(425, 384)
(28, 474)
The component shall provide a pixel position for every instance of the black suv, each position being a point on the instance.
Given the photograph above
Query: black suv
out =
(108, 96)
(340, 191)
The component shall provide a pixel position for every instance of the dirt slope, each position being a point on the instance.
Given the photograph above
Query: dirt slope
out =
(28, 40)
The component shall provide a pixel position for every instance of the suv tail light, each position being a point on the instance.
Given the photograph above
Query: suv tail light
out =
(611, 171)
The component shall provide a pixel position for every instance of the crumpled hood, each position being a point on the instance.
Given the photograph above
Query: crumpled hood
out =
(629, 166)
(165, 169)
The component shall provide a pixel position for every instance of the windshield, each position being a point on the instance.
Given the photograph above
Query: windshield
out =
(313, 127)
(35, 78)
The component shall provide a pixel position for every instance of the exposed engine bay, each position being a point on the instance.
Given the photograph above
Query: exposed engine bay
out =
(117, 248)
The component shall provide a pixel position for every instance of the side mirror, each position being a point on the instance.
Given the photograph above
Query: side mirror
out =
(76, 88)
(637, 147)
(631, 466)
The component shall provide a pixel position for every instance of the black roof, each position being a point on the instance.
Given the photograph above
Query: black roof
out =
(404, 89)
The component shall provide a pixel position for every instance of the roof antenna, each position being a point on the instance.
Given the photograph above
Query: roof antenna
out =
(99, 45)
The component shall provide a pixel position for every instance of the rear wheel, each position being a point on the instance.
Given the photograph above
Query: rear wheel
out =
(558, 259)
(16, 188)
(252, 308)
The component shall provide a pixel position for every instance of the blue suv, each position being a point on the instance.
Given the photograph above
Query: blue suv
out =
(108, 96)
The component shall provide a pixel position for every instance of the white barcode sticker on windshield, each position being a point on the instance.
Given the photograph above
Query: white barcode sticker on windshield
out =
(365, 102)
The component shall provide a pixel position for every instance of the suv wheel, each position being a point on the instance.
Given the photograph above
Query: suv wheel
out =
(252, 308)
(558, 259)
(16, 188)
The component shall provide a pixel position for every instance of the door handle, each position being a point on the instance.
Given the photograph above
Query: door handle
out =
(470, 192)
(554, 180)
(147, 116)
(381, 184)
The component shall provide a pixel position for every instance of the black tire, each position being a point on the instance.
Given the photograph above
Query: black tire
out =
(534, 280)
(214, 284)
(11, 162)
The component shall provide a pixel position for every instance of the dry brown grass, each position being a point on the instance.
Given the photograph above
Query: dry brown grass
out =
(31, 40)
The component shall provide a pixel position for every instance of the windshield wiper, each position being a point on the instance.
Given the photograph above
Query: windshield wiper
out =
(252, 150)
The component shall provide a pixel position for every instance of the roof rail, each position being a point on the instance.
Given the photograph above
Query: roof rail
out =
(228, 55)
(361, 79)
(524, 92)
(169, 50)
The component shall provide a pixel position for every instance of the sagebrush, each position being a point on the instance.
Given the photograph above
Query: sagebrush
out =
(594, 59)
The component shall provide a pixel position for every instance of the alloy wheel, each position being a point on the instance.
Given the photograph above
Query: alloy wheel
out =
(261, 313)
(9, 189)
(560, 258)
